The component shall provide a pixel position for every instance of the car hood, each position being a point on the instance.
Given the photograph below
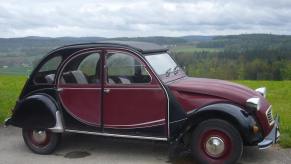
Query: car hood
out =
(214, 88)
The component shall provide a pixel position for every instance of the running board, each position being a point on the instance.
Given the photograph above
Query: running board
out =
(117, 135)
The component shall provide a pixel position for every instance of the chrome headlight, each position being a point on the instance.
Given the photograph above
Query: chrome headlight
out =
(254, 103)
(262, 91)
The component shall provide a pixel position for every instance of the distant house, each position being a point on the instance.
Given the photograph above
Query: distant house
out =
(25, 65)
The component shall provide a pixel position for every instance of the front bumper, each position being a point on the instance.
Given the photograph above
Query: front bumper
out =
(272, 137)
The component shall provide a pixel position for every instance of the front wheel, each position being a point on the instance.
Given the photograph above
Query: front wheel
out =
(41, 141)
(216, 141)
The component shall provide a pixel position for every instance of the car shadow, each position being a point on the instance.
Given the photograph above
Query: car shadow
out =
(132, 150)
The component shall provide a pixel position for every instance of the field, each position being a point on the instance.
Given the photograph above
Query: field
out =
(10, 86)
(191, 49)
(15, 71)
(279, 93)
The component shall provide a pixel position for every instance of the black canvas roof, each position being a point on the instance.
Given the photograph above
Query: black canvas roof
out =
(142, 47)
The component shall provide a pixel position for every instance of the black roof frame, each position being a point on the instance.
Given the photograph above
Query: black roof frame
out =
(141, 47)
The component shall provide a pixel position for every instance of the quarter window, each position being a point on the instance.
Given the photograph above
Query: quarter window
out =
(125, 69)
(46, 73)
(51, 65)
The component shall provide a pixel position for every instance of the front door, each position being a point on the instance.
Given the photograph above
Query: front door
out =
(134, 101)
(80, 88)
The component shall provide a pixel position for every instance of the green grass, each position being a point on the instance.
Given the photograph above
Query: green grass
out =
(10, 88)
(191, 49)
(15, 71)
(279, 95)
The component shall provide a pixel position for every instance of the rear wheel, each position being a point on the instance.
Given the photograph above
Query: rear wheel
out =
(41, 141)
(216, 141)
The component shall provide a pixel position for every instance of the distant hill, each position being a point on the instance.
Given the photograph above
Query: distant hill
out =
(20, 52)
(37, 45)
(197, 38)
(247, 42)
(17, 53)
(34, 45)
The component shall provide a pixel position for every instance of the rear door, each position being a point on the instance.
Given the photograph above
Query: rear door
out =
(134, 101)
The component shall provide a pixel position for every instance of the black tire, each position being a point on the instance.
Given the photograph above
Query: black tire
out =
(43, 145)
(216, 141)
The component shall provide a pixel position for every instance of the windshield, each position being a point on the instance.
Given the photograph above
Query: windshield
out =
(162, 63)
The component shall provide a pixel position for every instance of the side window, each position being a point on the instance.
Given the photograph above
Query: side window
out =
(46, 73)
(83, 69)
(125, 69)
(88, 64)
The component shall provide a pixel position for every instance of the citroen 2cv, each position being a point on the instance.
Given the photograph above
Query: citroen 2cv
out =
(136, 90)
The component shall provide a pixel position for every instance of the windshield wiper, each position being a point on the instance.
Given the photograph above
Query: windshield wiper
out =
(168, 72)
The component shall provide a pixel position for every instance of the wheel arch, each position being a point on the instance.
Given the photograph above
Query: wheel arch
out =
(38, 111)
(233, 114)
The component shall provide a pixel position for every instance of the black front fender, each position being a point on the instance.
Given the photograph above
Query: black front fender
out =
(237, 116)
(36, 111)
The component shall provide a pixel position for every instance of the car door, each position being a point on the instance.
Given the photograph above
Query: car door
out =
(80, 88)
(134, 101)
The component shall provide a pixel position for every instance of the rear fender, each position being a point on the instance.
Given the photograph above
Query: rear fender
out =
(36, 111)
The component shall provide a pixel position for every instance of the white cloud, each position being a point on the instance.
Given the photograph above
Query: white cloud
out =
(142, 18)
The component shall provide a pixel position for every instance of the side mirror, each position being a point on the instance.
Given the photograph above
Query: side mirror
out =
(184, 68)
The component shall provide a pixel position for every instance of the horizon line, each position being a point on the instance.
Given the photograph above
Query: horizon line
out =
(180, 36)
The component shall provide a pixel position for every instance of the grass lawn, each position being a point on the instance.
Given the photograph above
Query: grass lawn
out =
(278, 93)
(10, 88)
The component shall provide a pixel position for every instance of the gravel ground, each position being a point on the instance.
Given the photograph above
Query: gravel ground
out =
(76, 148)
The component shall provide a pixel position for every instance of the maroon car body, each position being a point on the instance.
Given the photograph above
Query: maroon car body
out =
(136, 90)
(194, 93)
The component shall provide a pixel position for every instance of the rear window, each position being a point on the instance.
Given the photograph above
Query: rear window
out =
(51, 65)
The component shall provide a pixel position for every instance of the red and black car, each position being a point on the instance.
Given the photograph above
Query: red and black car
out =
(136, 90)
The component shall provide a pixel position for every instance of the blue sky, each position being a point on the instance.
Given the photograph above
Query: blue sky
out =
(132, 18)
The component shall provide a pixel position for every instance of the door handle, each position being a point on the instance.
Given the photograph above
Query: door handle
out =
(60, 89)
(106, 90)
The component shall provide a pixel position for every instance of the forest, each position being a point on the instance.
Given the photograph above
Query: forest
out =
(240, 57)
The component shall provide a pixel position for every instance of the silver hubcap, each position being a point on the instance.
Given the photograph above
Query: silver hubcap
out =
(214, 146)
(39, 136)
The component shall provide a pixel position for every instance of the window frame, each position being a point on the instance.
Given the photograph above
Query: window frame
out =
(74, 56)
